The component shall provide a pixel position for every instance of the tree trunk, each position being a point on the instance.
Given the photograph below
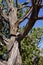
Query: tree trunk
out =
(14, 55)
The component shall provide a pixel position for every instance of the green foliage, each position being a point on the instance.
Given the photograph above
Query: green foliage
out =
(41, 60)
(29, 46)
(20, 14)
(0, 1)
(6, 29)
(3, 52)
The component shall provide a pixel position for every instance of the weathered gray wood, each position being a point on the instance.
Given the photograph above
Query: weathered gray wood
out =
(18, 59)
(12, 20)
(3, 63)
(14, 55)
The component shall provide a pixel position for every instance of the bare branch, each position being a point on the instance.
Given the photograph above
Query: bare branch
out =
(17, 3)
(40, 18)
(37, 18)
(23, 6)
(9, 3)
(24, 17)
(25, 3)
(4, 15)
(31, 21)
(41, 5)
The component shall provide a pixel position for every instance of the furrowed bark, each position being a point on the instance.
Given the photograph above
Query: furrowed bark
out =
(12, 17)
(31, 21)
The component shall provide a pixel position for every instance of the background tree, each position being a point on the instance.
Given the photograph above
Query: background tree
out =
(30, 47)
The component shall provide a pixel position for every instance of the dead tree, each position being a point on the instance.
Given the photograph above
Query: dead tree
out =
(14, 41)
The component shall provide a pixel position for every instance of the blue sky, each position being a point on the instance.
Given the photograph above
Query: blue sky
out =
(39, 23)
